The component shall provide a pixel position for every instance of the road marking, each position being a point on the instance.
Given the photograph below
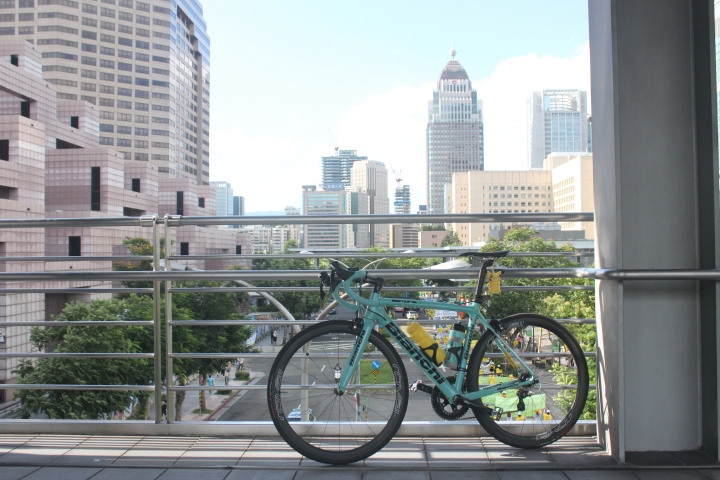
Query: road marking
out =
(313, 383)
(323, 368)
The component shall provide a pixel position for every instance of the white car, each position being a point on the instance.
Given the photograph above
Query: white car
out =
(411, 315)
(296, 415)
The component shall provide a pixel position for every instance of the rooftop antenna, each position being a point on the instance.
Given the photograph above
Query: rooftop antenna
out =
(452, 50)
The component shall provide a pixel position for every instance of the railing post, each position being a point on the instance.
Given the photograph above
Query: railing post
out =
(158, 325)
(168, 330)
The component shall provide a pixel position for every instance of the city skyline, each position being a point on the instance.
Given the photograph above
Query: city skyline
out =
(372, 92)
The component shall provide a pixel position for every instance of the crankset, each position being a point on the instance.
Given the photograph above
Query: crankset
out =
(444, 408)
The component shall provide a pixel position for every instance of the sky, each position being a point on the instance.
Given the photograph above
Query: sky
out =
(290, 80)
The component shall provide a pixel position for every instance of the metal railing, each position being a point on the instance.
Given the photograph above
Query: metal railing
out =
(167, 275)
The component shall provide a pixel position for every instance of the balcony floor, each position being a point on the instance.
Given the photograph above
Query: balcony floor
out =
(57, 457)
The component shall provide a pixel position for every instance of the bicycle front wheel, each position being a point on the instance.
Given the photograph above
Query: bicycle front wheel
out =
(318, 422)
(544, 412)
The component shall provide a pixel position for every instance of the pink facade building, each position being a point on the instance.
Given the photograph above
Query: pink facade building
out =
(52, 166)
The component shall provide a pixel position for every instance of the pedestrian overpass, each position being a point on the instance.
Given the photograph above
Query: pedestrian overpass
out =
(655, 145)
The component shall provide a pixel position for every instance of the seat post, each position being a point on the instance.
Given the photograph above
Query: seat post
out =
(481, 279)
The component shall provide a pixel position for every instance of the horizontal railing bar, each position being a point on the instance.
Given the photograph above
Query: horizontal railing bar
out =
(55, 386)
(323, 387)
(81, 323)
(74, 222)
(76, 259)
(370, 354)
(399, 321)
(254, 275)
(468, 288)
(75, 290)
(75, 355)
(459, 273)
(360, 254)
(177, 220)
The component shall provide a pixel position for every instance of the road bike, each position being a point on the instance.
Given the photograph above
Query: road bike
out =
(525, 379)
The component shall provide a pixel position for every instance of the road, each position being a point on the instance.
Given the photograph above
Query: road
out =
(253, 404)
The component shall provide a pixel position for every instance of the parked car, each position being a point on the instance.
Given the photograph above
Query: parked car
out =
(296, 415)
(332, 312)
(411, 315)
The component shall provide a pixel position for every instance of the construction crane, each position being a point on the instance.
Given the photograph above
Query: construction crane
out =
(334, 142)
(397, 177)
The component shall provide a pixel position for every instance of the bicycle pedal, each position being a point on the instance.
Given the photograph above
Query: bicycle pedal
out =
(419, 385)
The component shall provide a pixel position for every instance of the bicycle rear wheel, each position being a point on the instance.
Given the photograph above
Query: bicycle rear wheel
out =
(552, 406)
(316, 421)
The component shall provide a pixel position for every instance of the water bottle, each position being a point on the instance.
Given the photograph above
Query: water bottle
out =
(454, 346)
(426, 343)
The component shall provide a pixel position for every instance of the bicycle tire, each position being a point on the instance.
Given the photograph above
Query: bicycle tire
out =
(569, 403)
(332, 436)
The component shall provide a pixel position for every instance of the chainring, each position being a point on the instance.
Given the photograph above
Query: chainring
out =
(444, 408)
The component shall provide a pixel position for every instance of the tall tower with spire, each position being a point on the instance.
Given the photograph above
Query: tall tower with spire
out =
(454, 132)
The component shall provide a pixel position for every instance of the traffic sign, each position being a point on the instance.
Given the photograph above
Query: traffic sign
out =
(376, 373)
(376, 364)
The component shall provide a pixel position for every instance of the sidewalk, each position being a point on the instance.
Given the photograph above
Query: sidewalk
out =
(80, 457)
(216, 402)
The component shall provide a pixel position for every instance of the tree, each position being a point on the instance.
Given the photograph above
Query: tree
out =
(300, 304)
(138, 246)
(432, 227)
(88, 404)
(451, 240)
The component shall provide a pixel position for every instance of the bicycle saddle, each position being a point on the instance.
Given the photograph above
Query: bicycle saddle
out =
(501, 253)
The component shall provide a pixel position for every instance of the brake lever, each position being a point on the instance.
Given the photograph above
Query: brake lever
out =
(324, 280)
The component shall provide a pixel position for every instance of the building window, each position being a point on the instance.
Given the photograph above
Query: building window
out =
(5, 150)
(238, 249)
(75, 122)
(135, 185)
(14, 60)
(179, 204)
(25, 109)
(184, 248)
(95, 189)
(74, 247)
(201, 202)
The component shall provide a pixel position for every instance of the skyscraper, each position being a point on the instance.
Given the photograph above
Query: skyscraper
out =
(224, 198)
(145, 64)
(454, 132)
(402, 200)
(557, 122)
(238, 205)
(336, 170)
(371, 178)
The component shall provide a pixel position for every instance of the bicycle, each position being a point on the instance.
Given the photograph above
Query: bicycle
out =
(347, 387)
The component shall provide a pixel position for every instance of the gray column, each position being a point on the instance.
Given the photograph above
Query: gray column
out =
(656, 184)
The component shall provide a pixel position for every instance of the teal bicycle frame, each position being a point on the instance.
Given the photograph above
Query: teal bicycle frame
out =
(375, 314)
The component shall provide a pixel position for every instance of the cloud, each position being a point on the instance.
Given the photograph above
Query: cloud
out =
(390, 127)
(270, 169)
(505, 93)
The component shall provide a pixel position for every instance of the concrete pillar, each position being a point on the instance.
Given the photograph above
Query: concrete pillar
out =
(656, 197)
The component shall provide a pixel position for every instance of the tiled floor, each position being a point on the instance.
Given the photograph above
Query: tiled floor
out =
(58, 457)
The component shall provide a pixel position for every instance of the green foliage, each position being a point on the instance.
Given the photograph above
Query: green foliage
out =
(451, 240)
(90, 404)
(300, 304)
(242, 375)
(431, 227)
(567, 304)
(138, 246)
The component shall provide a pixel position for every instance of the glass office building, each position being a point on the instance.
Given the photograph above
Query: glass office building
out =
(454, 132)
(144, 64)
